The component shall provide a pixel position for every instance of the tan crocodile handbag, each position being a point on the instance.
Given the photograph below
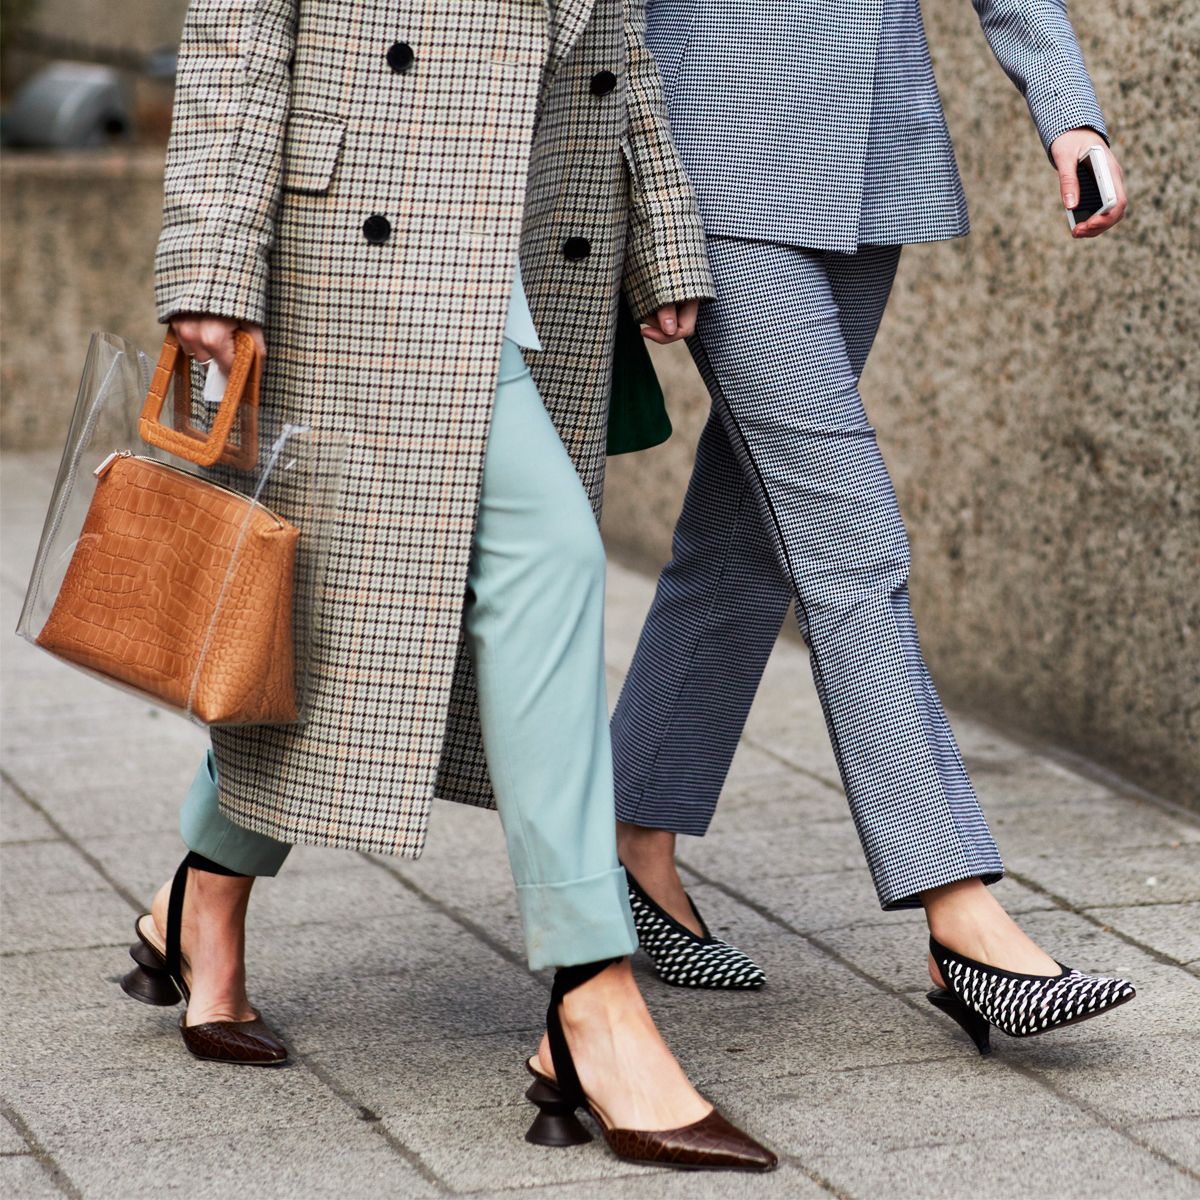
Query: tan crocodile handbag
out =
(178, 587)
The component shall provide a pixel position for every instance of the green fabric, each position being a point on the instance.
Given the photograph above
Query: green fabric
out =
(637, 415)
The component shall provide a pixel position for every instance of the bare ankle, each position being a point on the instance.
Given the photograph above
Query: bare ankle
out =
(644, 849)
(965, 917)
(649, 855)
(212, 942)
(960, 905)
(612, 989)
(625, 1067)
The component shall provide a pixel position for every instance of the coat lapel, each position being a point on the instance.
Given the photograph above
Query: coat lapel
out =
(568, 19)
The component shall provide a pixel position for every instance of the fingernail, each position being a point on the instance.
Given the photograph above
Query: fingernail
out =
(1069, 201)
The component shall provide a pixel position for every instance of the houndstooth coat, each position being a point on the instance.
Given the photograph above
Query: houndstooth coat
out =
(357, 176)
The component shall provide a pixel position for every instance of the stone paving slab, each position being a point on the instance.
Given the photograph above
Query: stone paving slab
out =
(1172, 928)
(402, 989)
(1085, 1165)
(1177, 1138)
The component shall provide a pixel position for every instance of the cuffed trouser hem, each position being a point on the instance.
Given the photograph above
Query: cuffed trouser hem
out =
(571, 923)
(207, 831)
(534, 623)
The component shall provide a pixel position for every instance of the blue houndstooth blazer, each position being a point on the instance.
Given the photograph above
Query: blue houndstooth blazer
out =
(818, 123)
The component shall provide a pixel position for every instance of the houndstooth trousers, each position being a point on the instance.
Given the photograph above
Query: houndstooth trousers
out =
(790, 497)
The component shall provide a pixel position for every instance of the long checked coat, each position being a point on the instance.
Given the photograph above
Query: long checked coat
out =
(358, 175)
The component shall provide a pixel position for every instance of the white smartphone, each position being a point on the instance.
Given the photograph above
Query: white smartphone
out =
(1096, 191)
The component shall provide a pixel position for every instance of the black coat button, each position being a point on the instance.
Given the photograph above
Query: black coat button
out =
(603, 82)
(576, 249)
(400, 57)
(377, 229)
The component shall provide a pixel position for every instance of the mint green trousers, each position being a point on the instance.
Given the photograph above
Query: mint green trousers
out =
(534, 623)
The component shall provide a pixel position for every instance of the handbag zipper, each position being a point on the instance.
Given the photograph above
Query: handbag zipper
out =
(103, 468)
(107, 465)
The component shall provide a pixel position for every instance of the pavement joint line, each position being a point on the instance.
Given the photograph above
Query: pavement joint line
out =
(1163, 1120)
(1037, 1076)
(1063, 903)
(91, 860)
(376, 1123)
(1032, 1074)
(785, 761)
(1136, 846)
(483, 1034)
(461, 919)
(820, 1180)
(785, 1076)
(525, 1189)
(63, 949)
(40, 1154)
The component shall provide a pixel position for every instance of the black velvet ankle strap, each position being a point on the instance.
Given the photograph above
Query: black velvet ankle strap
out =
(567, 979)
(175, 919)
(213, 868)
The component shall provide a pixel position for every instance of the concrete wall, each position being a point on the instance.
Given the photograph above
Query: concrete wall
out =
(77, 256)
(1038, 403)
(142, 25)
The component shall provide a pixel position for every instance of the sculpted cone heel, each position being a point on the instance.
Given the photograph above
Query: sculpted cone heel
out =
(162, 977)
(556, 1124)
(149, 981)
(711, 1143)
(977, 1028)
(978, 996)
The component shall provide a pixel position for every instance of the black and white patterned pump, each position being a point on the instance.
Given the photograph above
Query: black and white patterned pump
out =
(683, 959)
(977, 996)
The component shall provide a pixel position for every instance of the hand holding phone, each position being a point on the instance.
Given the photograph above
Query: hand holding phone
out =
(1081, 159)
(1096, 191)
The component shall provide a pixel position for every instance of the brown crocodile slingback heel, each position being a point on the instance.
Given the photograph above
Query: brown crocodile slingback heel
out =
(162, 977)
(711, 1143)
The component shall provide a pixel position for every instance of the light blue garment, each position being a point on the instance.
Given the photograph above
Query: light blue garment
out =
(518, 325)
(535, 632)
(534, 621)
(208, 831)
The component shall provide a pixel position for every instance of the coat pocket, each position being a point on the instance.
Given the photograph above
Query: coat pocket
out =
(635, 181)
(311, 150)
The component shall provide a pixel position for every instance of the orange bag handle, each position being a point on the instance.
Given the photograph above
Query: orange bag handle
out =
(241, 392)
